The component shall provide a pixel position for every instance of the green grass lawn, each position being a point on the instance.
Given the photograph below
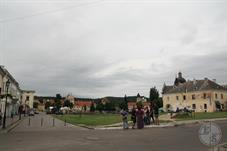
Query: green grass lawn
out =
(202, 115)
(91, 119)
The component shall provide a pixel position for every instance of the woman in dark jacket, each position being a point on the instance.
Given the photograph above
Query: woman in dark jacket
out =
(156, 114)
(133, 116)
(140, 117)
(152, 111)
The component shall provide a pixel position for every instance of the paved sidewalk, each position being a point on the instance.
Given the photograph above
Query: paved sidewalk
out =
(43, 122)
(10, 123)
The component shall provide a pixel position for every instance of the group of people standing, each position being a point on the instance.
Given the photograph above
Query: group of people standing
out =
(141, 116)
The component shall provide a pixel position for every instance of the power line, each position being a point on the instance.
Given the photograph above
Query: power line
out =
(48, 12)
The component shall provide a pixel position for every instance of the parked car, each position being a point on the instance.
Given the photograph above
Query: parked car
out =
(31, 113)
(36, 112)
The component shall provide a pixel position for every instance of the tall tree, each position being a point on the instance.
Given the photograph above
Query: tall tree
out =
(126, 102)
(154, 94)
(58, 96)
(58, 103)
(100, 106)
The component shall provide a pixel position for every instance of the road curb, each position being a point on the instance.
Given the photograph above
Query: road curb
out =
(172, 124)
(198, 121)
(84, 126)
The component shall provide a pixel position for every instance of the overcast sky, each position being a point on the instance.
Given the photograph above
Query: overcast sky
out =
(96, 48)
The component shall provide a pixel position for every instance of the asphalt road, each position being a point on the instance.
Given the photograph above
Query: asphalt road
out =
(70, 138)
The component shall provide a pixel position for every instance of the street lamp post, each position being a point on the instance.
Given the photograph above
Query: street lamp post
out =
(4, 118)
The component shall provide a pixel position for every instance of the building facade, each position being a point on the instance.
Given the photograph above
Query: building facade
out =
(14, 96)
(198, 95)
(28, 98)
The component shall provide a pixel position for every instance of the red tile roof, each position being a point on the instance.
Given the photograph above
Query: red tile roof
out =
(83, 103)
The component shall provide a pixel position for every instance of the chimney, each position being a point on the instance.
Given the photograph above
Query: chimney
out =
(206, 78)
(214, 80)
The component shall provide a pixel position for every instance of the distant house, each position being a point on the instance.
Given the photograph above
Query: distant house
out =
(80, 103)
(198, 95)
(41, 100)
(132, 100)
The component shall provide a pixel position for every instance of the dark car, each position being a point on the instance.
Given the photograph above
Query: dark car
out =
(31, 113)
(35, 111)
(59, 113)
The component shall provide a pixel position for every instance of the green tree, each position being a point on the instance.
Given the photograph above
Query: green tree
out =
(124, 103)
(58, 96)
(92, 108)
(154, 94)
(47, 105)
(160, 102)
(100, 107)
(58, 103)
(35, 105)
(110, 106)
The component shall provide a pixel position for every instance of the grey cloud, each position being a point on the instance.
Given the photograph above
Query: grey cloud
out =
(70, 51)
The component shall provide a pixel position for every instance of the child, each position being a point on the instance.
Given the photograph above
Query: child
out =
(124, 114)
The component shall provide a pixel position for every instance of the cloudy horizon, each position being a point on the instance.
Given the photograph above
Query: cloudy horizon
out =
(100, 48)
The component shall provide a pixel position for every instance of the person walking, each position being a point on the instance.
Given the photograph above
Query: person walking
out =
(139, 117)
(147, 116)
(133, 117)
(11, 115)
(156, 114)
(124, 115)
(152, 112)
(0, 117)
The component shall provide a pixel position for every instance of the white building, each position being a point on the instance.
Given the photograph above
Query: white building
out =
(14, 97)
(28, 98)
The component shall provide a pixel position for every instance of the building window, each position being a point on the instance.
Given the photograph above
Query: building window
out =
(194, 106)
(205, 106)
(222, 97)
(193, 96)
(168, 98)
(177, 97)
(204, 95)
(0, 90)
(184, 97)
(27, 97)
(216, 96)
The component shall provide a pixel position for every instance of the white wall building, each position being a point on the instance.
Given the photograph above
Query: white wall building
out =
(14, 97)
